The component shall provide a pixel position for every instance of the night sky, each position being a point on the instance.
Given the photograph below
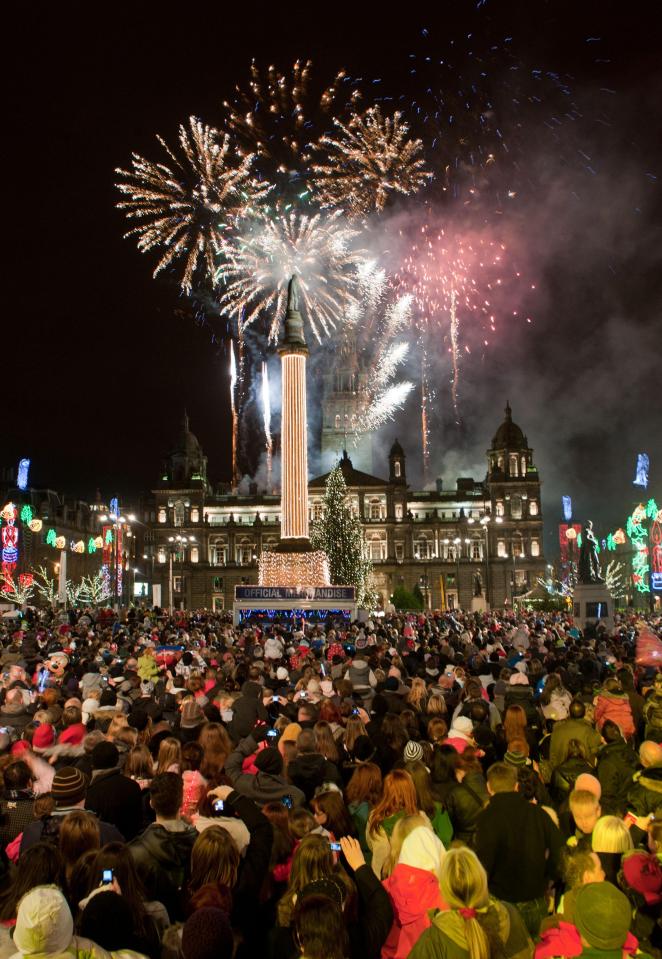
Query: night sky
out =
(105, 358)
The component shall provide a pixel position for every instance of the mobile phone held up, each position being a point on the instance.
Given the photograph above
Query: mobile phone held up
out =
(218, 806)
(287, 801)
(106, 877)
(335, 847)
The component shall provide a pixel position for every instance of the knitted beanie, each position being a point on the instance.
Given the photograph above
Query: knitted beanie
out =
(269, 761)
(602, 915)
(207, 934)
(413, 752)
(69, 786)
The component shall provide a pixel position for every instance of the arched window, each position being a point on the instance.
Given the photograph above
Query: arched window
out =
(179, 513)
(337, 421)
(535, 547)
(162, 515)
(533, 507)
(194, 554)
(476, 550)
(523, 466)
(499, 507)
(375, 509)
(195, 515)
(513, 464)
(397, 469)
(516, 507)
(501, 549)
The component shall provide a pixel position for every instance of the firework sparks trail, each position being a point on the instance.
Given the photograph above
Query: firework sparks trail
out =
(370, 159)
(279, 116)
(258, 263)
(266, 418)
(425, 419)
(450, 276)
(235, 414)
(185, 205)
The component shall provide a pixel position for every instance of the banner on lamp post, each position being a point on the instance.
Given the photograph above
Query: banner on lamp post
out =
(62, 581)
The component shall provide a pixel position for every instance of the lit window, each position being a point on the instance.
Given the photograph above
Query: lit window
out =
(337, 421)
(194, 554)
(177, 583)
(513, 464)
(375, 509)
(398, 511)
(195, 515)
(162, 515)
(179, 513)
(533, 508)
(161, 556)
(535, 547)
(399, 551)
(499, 507)
(516, 507)
(397, 469)
(501, 548)
(476, 551)
(523, 466)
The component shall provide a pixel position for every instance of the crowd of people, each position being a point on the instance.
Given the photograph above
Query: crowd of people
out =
(465, 786)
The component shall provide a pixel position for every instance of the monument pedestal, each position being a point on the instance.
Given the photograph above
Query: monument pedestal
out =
(478, 604)
(593, 603)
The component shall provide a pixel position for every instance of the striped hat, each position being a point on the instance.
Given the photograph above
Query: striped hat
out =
(69, 786)
(413, 752)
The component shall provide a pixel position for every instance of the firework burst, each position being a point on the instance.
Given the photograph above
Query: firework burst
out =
(281, 116)
(259, 261)
(371, 158)
(184, 206)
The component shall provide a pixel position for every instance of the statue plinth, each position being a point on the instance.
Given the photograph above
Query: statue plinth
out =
(593, 603)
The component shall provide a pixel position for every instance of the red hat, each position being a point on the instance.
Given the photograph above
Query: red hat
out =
(643, 873)
(73, 734)
(44, 736)
(19, 747)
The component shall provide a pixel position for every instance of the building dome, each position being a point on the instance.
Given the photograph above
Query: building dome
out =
(509, 436)
(187, 443)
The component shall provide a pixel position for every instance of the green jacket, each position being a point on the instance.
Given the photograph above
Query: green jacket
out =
(147, 668)
(446, 938)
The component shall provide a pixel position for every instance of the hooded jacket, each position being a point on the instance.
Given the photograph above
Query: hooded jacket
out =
(310, 770)
(446, 938)
(261, 787)
(413, 888)
(117, 799)
(614, 706)
(645, 794)
(162, 858)
(246, 711)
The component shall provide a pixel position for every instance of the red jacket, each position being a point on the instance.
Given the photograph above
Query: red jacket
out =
(412, 892)
(566, 941)
(614, 706)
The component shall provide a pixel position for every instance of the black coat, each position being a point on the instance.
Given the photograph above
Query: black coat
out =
(117, 799)
(163, 860)
(519, 846)
(246, 711)
(310, 770)
(617, 764)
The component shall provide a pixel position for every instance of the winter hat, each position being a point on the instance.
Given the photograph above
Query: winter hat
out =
(515, 759)
(44, 736)
(463, 726)
(90, 706)
(44, 925)
(391, 684)
(291, 733)
(73, 735)
(519, 679)
(282, 674)
(422, 849)
(590, 783)
(207, 934)
(602, 915)
(69, 786)
(643, 873)
(105, 756)
(192, 715)
(107, 918)
(413, 752)
(108, 698)
(138, 719)
(363, 750)
(269, 761)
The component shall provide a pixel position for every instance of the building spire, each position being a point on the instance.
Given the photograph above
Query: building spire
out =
(508, 411)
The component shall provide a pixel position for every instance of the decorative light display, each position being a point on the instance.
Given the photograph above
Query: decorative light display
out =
(26, 514)
(22, 477)
(78, 546)
(638, 534)
(51, 537)
(26, 580)
(91, 545)
(294, 569)
(98, 542)
(61, 542)
(567, 508)
(9, 542)
(36, 525)
(642, 471)
(114, 508)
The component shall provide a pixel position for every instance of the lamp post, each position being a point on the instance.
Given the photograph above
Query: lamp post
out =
(117, 521)
(177, 544)
(458, 543)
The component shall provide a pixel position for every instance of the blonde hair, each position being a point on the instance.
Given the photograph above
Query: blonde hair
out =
(418, 694)
(611, 835)
(463, 884)
(583, 799)
(405, 827)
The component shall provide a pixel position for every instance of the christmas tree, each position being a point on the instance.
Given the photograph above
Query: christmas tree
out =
(339, 534)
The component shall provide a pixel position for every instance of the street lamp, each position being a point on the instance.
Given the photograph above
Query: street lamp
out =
(177, 545)
(117, 521)
(485, 522)
(457, 542)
